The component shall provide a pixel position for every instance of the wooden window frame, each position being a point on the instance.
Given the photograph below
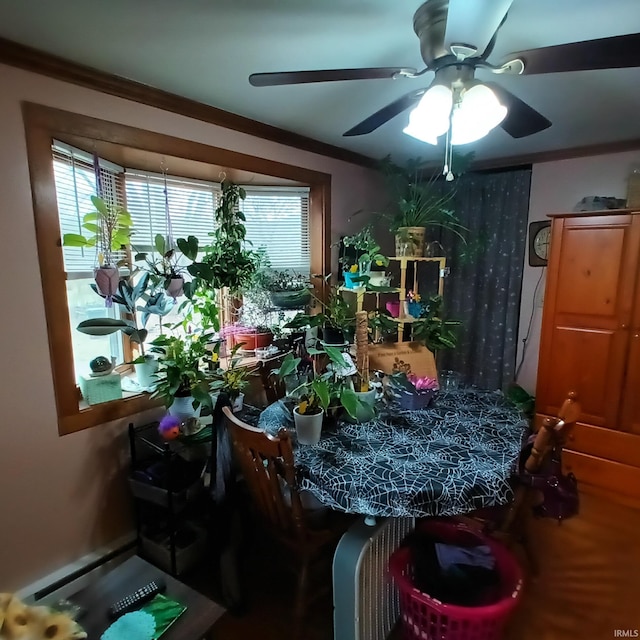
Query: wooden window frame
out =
(42, 126)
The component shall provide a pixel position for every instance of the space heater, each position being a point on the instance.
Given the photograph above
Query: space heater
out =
(365, 600)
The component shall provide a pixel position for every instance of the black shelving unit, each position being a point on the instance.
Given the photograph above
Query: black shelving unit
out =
(166, 482)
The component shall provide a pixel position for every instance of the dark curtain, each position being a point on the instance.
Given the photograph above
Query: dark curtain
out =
(483, 288)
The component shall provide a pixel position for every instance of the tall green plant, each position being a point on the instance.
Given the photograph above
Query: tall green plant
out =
(226, 261)
(416, 202)
(107, 228)
(432, 329)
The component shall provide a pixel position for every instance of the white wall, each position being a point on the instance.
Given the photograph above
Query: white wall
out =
(62, 497)
(557, 187)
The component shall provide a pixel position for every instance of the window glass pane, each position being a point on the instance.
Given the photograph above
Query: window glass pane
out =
(85, 304)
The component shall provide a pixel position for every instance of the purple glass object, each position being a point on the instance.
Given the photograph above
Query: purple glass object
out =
(107, 279)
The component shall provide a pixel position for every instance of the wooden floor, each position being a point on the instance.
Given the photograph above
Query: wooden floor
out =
(588, 584)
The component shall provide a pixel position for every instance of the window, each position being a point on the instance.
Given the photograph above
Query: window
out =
(75, 178)
(62, 280)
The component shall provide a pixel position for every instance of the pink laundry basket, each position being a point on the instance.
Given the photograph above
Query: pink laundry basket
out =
(425, 618)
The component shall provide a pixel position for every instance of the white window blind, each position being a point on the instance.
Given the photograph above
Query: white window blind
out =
(278, 219)
(75, 180)
(192, 204)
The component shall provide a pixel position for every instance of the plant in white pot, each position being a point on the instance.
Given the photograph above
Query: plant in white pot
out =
(233, 381)
(183, 377)
(108, 229)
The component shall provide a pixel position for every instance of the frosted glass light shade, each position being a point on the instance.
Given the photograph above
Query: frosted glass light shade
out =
(430, 118)
(472, 118)
(478, 113)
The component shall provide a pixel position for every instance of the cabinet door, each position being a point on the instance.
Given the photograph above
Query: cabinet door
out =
(630, 415)
(585, 327)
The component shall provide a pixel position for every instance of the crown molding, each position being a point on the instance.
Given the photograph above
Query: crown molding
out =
(557, 154)
(30, 59)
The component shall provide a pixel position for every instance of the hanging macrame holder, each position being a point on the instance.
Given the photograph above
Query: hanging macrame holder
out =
(174, 286)
(107, 276)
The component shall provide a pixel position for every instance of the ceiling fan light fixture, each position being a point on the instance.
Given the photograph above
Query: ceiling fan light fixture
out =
(476, 113)
(430, 118)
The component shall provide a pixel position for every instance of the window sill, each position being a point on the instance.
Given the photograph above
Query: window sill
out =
(93, 415)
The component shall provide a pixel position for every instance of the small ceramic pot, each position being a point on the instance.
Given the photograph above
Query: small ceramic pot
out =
(145, 372)
(349, 279)
(308, 427)
(175, 288)
(393, 307)
(107, 280)
(182, 408)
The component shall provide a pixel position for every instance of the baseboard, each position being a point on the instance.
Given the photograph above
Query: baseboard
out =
(75, 575)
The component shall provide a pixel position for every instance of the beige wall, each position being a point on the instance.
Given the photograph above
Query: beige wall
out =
(62, 497)
(555, 187)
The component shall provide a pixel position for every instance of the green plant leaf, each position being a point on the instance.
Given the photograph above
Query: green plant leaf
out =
(288, 366)
(335, 355)
(160, 244)
(92, 227)
(349, 400)
(101, 326)
(321, 389)
(74, 240)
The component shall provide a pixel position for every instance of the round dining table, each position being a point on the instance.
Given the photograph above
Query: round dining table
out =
(453, 457)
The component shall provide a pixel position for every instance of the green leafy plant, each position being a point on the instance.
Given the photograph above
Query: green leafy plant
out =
(325, 390)
(128, 296)
(167, 264)
(234, 379)
(336, 312)
(108, 229)
(432, 329)
(522, 399)
(416, 202)
(367, 249)
(183, 367)
(226, 261)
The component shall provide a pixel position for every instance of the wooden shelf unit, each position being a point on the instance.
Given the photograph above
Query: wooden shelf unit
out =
(402, 289)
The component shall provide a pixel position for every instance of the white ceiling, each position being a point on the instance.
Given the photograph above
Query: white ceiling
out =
(206, 49)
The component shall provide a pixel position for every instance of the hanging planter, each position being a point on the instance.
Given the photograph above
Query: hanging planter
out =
(108, 229)
(107, 279)
(175, 287)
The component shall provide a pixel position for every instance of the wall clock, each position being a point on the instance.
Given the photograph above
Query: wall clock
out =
(539, 243)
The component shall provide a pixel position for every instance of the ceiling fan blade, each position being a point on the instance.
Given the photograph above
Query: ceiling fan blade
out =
(521, 120)
(474, 23)
(326, 75)
(617, 52)
(386, 113)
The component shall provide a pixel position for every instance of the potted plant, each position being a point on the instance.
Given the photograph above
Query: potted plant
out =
(432, 329)
(367, 251)
(127, 296)
(182, 377)
(248, 338)
(108, 229)
(226, 261)
(287, 289)
(165, 270)
(233, 381)
(417, 205)
(336, 320)
(315, 398)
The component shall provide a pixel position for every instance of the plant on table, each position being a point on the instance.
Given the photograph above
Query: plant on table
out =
(233, 379)
(108, 229)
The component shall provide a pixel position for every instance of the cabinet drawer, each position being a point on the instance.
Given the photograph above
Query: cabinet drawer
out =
(618, 446)
(616, 479)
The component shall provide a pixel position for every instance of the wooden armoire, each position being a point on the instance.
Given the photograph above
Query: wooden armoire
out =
(590, 344)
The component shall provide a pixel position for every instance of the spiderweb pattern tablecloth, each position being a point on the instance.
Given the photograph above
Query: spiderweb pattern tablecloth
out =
(452, 458)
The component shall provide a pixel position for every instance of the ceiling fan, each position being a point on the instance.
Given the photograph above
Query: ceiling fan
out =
(472, 27)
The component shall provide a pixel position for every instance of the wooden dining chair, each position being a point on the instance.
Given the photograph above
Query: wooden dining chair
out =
(509, 523)
(268, 467)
